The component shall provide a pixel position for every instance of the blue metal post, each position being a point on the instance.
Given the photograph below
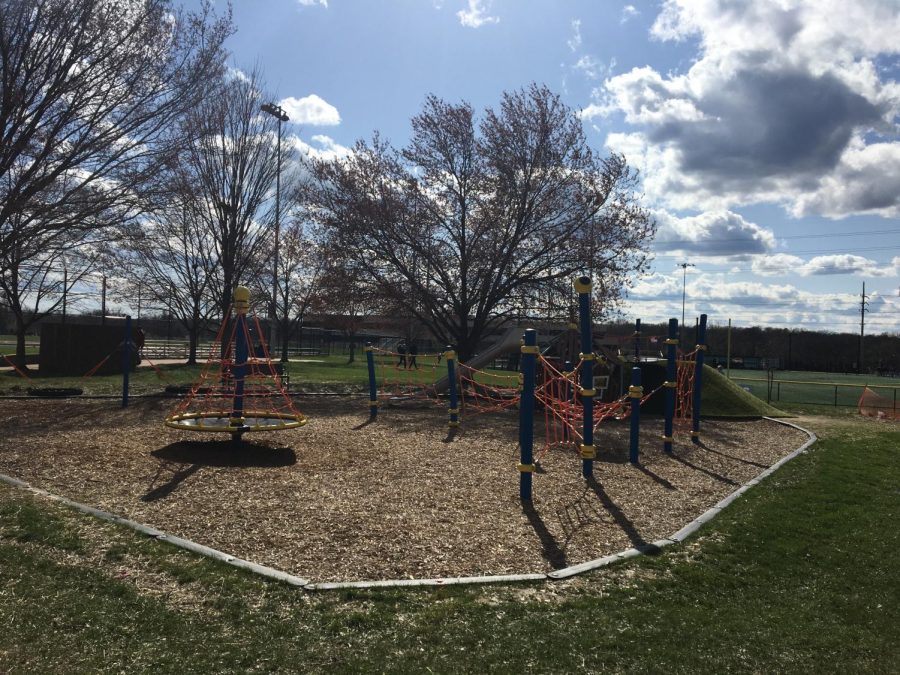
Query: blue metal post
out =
(671, 383)
(241, 300)
(635, 392)
(587, 450)
(526, 414)
(453, 410)
(698, 380)
(126, 360)
(373, 385)
(637, 341)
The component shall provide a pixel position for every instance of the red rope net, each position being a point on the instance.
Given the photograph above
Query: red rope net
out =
(481, 391)
(404, 376)
(267, 404)
(558, 394)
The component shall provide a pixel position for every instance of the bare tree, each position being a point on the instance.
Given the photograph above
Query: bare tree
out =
(303, 262)
(230, 166)
(469, 218)
(38, 272)
(346, 299)
(167, 260)
(90, 90)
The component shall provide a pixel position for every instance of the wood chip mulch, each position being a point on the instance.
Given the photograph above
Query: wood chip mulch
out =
(343, 499)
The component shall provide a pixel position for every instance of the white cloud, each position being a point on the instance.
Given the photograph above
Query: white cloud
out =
(311, 110)
(777, 264)
(235, 73)
(628, 12)
(575, 41)
(476, 15)
(846, 263)
(866, 180)
(712, 233)
(310, 3)
(778, 107)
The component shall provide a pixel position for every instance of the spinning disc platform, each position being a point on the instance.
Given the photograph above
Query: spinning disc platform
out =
(253, 420)
(238, 393)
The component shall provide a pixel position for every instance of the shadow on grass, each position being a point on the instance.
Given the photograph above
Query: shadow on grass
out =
(613, 510)
(552, 552)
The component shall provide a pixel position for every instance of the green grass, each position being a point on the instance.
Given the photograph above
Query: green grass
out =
(834, 389)
(321, 373)
(8, 346)
(798, 575)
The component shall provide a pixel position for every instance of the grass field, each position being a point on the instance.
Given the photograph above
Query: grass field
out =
(798, 575)
(8, 345)
(834, 389)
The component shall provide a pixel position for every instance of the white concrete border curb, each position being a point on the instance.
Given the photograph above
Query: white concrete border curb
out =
(306, 584)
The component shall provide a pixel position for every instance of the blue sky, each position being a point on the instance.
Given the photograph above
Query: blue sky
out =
(767, 132)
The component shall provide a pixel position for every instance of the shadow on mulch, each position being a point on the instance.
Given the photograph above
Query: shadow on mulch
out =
(226, 454)
(552, 552)
(613, 509)
(197, 454)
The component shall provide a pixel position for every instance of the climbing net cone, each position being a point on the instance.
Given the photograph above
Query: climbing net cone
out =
(240, 389)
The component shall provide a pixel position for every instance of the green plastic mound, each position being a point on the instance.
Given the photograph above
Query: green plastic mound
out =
(723, 398)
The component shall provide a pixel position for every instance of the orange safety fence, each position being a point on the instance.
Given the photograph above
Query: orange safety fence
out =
(873, 404)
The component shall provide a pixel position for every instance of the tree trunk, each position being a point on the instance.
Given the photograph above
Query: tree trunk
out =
(20, 343)
(352, 357)
(193, 338)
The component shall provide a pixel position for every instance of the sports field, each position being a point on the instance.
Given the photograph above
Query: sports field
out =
(834, 389)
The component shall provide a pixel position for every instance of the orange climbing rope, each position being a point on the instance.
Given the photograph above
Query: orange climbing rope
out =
(408, 376)
(210, 405)
(558, 394)
(481, 391)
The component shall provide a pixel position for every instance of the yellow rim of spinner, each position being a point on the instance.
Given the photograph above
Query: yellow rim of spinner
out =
(271, 421)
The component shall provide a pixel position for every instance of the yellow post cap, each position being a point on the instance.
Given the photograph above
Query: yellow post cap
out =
(582, 285)
(241, 299)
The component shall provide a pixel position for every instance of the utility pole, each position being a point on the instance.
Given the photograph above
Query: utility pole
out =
(65, 290)
(103, 303)
(278, 113)
(862, 328)
(728, 352)
(683, 267)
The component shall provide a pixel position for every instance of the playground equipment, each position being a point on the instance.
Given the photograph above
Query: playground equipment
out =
(575, 400)
(569, 396)
(237, 393)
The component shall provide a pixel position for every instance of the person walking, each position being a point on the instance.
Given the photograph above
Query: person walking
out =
(413, 353)
(401, 351)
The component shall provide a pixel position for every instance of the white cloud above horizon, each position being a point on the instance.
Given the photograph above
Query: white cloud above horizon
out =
(311, 110)
(477, 14)
(777, 108)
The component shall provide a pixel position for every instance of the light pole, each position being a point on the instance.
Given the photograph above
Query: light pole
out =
(684, 267)
(278, 113)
